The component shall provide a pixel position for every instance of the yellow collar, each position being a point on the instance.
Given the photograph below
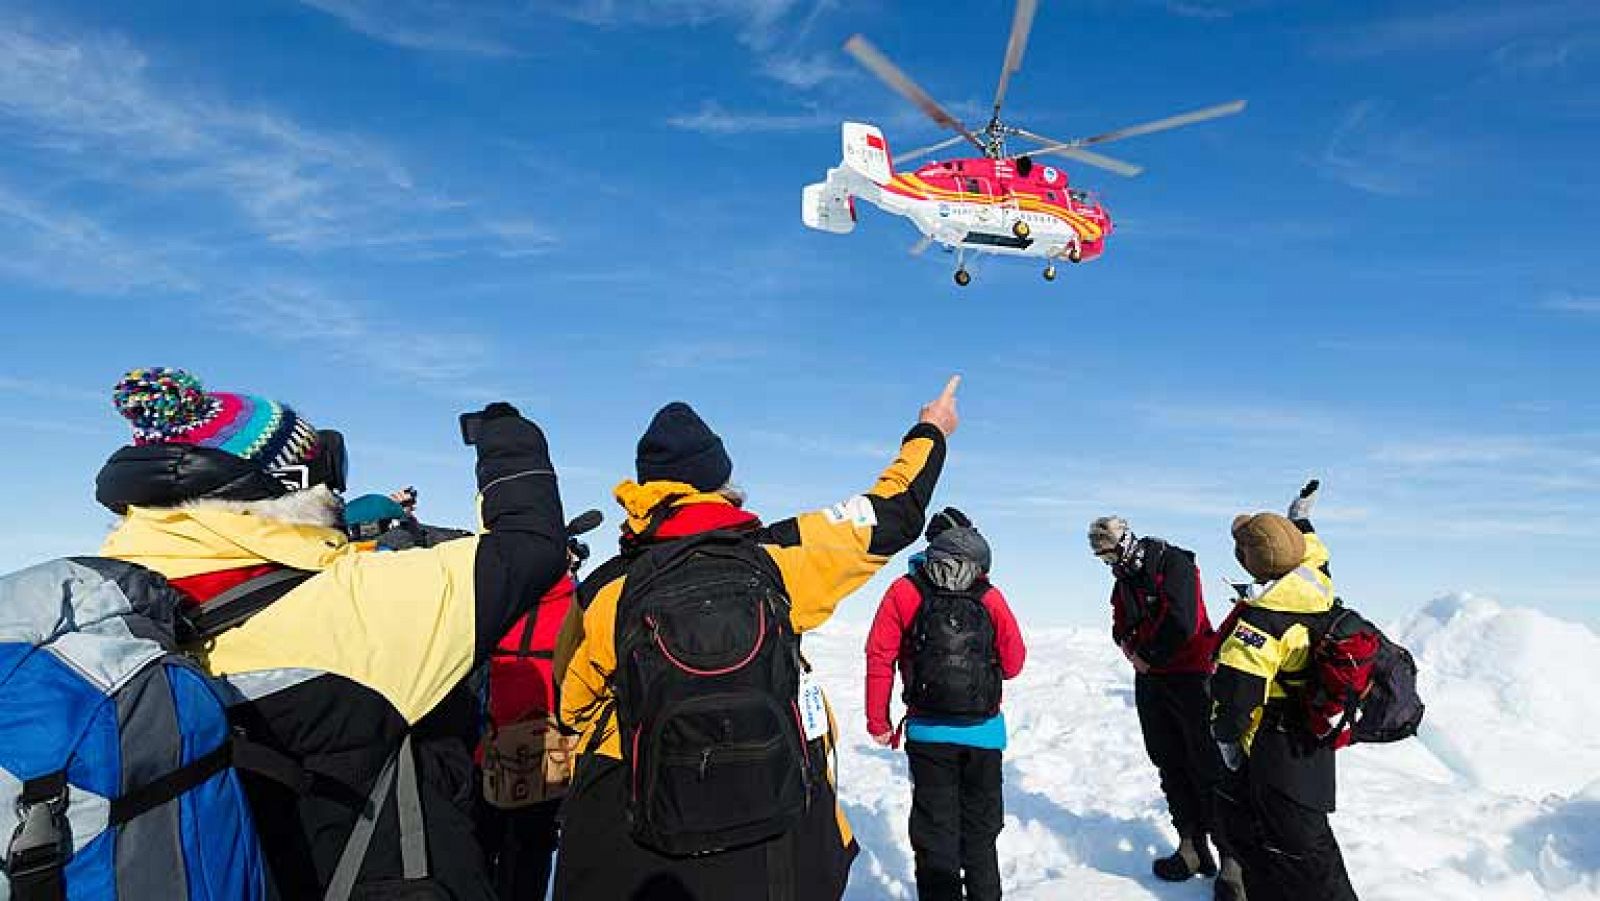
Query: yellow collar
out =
(641, 501)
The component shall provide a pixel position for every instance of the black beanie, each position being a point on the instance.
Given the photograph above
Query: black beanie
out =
(679, 447)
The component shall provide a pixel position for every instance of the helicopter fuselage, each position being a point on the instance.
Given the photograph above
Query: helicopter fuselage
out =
(1012, 207)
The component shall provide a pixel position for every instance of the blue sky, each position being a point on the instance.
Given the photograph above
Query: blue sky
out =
(385, 212)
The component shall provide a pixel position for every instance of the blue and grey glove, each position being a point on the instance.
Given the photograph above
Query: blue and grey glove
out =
(1300, 508)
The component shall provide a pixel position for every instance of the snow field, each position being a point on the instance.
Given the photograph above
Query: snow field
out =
(1498, 799)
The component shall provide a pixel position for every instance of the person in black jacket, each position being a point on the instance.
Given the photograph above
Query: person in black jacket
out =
(1159, 620)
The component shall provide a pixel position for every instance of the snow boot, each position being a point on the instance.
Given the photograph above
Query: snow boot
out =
(1230, 882)
(1192, 857)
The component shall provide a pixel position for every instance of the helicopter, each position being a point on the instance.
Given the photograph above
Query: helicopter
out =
(992, 204)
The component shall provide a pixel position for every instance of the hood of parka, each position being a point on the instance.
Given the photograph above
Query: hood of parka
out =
(167, 475)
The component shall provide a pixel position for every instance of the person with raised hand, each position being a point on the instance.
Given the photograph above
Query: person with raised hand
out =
(705, 739)
(331, 654)
(1280, 788)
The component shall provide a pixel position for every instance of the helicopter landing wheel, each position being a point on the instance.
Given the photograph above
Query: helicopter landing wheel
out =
(1020, 229)
(963, 277)
(1075, 254)
(1050, 273)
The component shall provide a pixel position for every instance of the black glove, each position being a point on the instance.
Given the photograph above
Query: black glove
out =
(499, 410)
(1232, 755)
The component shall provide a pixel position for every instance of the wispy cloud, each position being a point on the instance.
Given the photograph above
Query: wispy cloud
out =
(340, 329)
(821, 446)
(1208, 11)
(48, 390)
(723, 353)
(75, 252)
(1477, 25)
(1458, 450)
(90, 106)
(90, 110)
(713, 119)
(428, 24)
(1573, 303)
(1369, 152)
(775, 31)
(1535, 57)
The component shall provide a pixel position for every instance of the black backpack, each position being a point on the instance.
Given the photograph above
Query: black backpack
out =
(707, 688)
(1361, 687)
(955, 670)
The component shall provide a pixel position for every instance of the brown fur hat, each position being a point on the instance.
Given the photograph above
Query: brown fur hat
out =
(1267, 545)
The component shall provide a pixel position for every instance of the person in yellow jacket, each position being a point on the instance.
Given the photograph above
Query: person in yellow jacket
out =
(1276, 802)
(220, 492)
(820, 558)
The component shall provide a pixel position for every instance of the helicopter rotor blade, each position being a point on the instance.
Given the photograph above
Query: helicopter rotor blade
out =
(1021, 25)
(1178, 121)
(1071, 150)
(924, 151)
(878, 64)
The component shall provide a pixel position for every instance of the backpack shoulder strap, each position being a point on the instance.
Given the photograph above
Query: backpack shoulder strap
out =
(408, 807)
(234, 607)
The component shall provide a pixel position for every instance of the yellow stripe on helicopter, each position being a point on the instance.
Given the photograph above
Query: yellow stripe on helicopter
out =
(1086, 228)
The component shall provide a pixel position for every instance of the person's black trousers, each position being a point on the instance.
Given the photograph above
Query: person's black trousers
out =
(520, 846)
(1288, 850)
(957, 811)
(1174, 715)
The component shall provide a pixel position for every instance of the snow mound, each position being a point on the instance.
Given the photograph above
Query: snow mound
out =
(1494, 803)
(1512, 695)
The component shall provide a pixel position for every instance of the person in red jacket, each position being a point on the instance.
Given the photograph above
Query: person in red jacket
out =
(952, 663)
(1158, 616)
(518, 824)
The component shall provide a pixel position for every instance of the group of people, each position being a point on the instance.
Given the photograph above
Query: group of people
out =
(1220, 710)
(423, 712)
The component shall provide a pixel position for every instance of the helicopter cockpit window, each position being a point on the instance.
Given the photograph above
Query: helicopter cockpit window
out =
(974, 186)
(1050, 195)
(1079, 196)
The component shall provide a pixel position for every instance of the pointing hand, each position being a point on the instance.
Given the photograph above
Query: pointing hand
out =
(941, 411)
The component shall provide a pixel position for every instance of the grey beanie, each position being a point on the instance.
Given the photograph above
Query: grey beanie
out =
(964, 542)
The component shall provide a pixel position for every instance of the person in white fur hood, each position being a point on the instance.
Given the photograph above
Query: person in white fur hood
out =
(219, 491)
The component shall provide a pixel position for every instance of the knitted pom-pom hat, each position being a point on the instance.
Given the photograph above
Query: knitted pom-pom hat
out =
(169, 406)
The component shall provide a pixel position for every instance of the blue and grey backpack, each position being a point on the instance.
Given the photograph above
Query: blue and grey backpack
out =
(115, 752)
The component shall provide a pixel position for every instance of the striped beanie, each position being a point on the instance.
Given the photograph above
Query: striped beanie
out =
(169, 406)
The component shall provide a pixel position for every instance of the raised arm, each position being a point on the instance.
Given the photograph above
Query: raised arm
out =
(826, 555)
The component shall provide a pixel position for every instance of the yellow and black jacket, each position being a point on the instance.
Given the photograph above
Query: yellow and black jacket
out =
(1262, 663)
(822, 557)
(337, 671)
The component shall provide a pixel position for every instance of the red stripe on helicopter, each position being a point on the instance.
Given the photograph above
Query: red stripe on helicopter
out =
(875, 141)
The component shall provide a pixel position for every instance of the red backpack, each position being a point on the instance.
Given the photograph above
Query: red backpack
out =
(1362, 687)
